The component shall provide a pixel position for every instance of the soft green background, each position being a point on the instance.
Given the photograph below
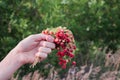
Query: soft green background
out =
(94, 23)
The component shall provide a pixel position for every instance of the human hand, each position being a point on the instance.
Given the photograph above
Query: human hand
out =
(39, 45)
(35, 45)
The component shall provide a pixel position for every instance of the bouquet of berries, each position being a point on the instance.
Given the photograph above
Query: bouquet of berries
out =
(65, 45)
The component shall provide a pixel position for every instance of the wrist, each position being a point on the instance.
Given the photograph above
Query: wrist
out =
(19, 56)
(9, 65)
(15, 56)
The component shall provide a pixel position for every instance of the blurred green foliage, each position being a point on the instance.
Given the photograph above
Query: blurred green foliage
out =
(94, 23)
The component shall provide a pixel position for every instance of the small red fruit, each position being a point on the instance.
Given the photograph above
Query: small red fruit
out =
(73, 63)
(64, 66)
(71, 55)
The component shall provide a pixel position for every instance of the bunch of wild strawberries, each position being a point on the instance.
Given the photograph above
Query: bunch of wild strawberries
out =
(65, 44)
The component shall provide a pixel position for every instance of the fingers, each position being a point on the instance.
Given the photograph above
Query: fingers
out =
(41, 55)
(47, 44)
(44, 50)
(39, 37)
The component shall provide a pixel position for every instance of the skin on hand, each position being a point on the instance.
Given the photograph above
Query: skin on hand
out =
(35, 45)
(38, 44)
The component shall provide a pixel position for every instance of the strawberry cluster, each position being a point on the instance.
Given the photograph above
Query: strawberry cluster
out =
(65, 44)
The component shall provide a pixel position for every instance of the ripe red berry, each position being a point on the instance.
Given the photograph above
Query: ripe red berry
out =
(56, 40)
(73, 63)
(61, 63)
(74, 47)
(51, 33)
(46, 32)
(71, 55)
(60, 54)
(64, 66)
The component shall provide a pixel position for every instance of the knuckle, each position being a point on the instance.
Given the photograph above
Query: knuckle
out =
(49, 50)
(42, 43)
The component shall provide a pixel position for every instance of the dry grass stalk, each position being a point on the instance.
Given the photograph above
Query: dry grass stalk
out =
(109, 75)
(84, 73)
(96, 70)
(36, 75)
(113, 59)
(71, 73)
(27, 77)
(53, 74)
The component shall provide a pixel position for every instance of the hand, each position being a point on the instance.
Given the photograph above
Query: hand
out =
(35, 45)
(38, 44)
